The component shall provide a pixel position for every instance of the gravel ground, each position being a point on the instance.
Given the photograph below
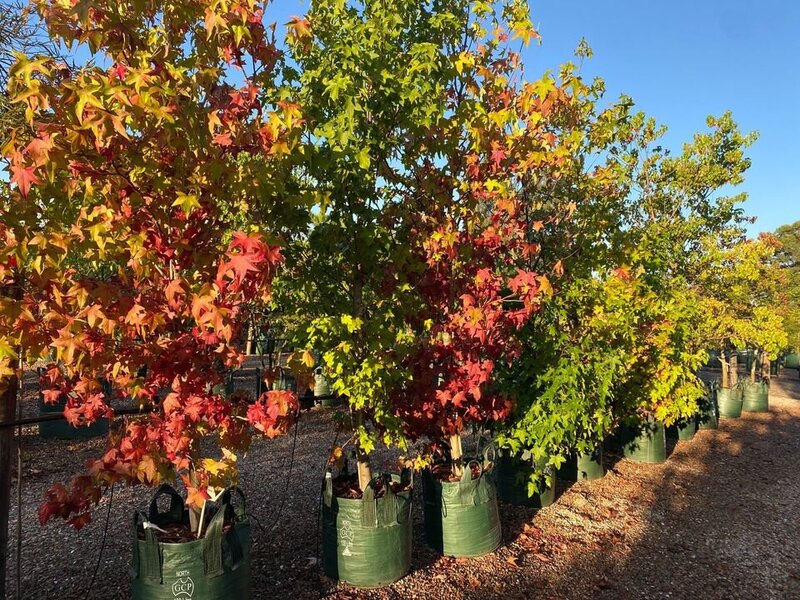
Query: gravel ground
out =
(718, 520)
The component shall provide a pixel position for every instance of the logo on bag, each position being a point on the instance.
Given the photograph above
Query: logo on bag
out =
(346, 535)
(183, 588)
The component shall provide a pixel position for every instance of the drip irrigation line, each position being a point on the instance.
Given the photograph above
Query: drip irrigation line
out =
(117, 412)
(19, 484)
(288, 477)
(60, 416)
(285, 493)
(322, 498)
(102, 544)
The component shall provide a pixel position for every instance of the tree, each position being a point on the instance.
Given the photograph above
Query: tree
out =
(678, 213)
(376, 82)
(788, 257)
(137, 165)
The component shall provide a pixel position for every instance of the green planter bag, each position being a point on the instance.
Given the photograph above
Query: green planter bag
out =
(713, 360)
(729, 401)
(590, 465)
(461, 517)
(582, 467)
(755, 397)
(215, 567)
(513, 475)
(366, 542)
(645, 442)
(708, 417)
(322, 389)
(686, 428)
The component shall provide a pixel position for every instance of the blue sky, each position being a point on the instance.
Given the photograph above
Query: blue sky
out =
(682, 60)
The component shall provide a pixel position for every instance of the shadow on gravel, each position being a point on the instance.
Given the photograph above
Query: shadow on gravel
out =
(718, 520)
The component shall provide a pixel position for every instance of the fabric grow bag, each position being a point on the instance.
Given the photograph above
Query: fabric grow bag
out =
(323, 390)
(645, 442)
(513, 476)
(215, 567)
(755, 397)
(461, 517)
(686, 428)
(582, 467)
(713, 360)
(792, 360)
(729, 401)
(366, 542)
(590, 465)
(708, 418)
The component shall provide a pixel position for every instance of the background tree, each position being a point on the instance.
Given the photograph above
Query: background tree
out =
(788, 257)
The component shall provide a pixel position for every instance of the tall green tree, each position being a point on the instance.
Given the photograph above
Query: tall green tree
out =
(788, 257)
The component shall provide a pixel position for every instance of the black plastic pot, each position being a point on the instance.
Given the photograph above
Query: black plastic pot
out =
(366, 542)
(215, 567)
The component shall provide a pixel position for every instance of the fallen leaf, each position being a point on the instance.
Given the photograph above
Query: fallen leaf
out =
(543, 557)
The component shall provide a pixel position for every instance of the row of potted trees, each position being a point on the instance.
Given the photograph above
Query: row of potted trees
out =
(447, 246)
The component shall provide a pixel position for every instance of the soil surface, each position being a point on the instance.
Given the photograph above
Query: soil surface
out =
(718, 520)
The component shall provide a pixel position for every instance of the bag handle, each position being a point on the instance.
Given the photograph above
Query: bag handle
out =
(489, 454)
(151, 567)
(369, 503)
(468, 485)
(215, 537)
(240, 511)
(176, 505)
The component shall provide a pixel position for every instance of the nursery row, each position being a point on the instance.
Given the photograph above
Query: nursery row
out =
(447, 246)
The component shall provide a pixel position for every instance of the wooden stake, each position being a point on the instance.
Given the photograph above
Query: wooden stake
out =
(457, 455)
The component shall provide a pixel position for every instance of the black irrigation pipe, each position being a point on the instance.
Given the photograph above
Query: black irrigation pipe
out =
(117, 412)
(60, 416)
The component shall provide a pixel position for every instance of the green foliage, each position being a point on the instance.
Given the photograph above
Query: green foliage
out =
(787, 257)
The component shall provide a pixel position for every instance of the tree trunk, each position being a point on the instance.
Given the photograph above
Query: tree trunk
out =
(8, 411)
(734, 370)
(364, 469)
(248, 348)
(194, 512)
(753, 369)
(457, 455)
(725, 370)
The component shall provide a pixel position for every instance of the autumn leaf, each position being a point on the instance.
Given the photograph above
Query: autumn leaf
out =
(24, 177)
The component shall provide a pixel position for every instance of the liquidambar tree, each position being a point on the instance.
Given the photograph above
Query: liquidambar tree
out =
(135, 161)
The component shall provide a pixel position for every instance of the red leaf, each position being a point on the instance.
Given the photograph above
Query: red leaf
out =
(24, 177)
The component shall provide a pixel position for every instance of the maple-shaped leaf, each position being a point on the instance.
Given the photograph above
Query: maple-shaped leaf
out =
(24, 177)
(196, 496)
(299, 29)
